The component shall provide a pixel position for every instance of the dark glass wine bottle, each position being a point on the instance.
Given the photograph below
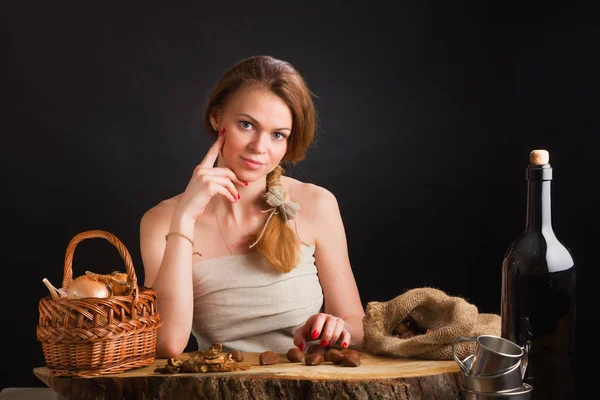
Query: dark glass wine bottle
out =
(538, 292)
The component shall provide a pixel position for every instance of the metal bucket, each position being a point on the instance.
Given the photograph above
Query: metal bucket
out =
(493, 355)
(507, 381)
(523, 394)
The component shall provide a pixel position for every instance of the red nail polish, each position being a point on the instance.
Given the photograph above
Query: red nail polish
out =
(315, 334)
(245, 183)
(239, 197)
(222, 132)
(324, 343)
(344, 345)
(301, 346)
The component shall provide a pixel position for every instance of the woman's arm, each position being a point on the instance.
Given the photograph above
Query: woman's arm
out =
(167, 267)
(342, 300)
(335, 273)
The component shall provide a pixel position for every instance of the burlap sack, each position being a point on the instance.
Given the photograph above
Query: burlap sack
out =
(447, 317)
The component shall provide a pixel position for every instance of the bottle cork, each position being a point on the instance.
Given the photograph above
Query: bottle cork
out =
(539, 157)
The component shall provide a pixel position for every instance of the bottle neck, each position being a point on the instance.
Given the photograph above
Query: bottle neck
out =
(539, 210)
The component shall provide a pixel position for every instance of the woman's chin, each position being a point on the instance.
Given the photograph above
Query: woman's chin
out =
(249, 176)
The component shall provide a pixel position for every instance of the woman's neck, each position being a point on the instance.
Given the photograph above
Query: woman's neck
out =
(247, 207)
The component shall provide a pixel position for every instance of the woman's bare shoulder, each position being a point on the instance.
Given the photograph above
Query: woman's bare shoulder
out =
(161, 211)
(313, 199)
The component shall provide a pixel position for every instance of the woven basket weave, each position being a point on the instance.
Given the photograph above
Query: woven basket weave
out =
(92, 336)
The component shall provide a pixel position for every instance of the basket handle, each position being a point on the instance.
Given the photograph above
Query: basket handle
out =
(68, 271)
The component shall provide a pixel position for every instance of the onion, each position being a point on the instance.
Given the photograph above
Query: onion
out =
(119, 283)
(88, 286)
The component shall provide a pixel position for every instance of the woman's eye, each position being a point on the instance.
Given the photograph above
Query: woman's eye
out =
(279, 136)
(245, 125)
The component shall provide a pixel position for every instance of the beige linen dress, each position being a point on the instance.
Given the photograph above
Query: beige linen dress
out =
(244, 304)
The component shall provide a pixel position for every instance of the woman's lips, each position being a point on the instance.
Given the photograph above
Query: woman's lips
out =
(252, 164)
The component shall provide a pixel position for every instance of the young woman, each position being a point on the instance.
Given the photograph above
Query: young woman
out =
(246, 256)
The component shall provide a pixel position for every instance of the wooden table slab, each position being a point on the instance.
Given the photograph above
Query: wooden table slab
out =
(377, 377)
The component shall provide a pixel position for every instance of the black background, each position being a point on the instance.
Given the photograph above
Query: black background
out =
(427, 115)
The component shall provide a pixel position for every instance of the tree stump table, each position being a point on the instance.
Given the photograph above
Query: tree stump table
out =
(377, 377)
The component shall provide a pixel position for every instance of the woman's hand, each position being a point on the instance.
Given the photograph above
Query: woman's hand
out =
(326, 326)
(208, 181)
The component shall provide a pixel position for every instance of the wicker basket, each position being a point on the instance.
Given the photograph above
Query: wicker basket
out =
(93, 336)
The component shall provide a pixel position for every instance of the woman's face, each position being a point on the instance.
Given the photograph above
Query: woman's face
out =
(257, 125)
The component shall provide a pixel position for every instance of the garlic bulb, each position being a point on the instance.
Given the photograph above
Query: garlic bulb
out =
(54, 292)
(88, 286)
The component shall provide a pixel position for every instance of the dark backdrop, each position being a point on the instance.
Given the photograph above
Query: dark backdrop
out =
(427, 114)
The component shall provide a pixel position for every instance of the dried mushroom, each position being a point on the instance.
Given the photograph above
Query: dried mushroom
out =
(210, 360)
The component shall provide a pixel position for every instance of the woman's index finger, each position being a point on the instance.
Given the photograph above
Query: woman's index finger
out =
(213, 152)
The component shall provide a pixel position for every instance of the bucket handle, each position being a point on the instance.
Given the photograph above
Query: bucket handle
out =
(462, 366)
(524, 359)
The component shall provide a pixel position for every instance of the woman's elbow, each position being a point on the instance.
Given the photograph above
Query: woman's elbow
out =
(169, 348)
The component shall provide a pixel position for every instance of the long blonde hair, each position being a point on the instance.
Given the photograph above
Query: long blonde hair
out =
(278, 243)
